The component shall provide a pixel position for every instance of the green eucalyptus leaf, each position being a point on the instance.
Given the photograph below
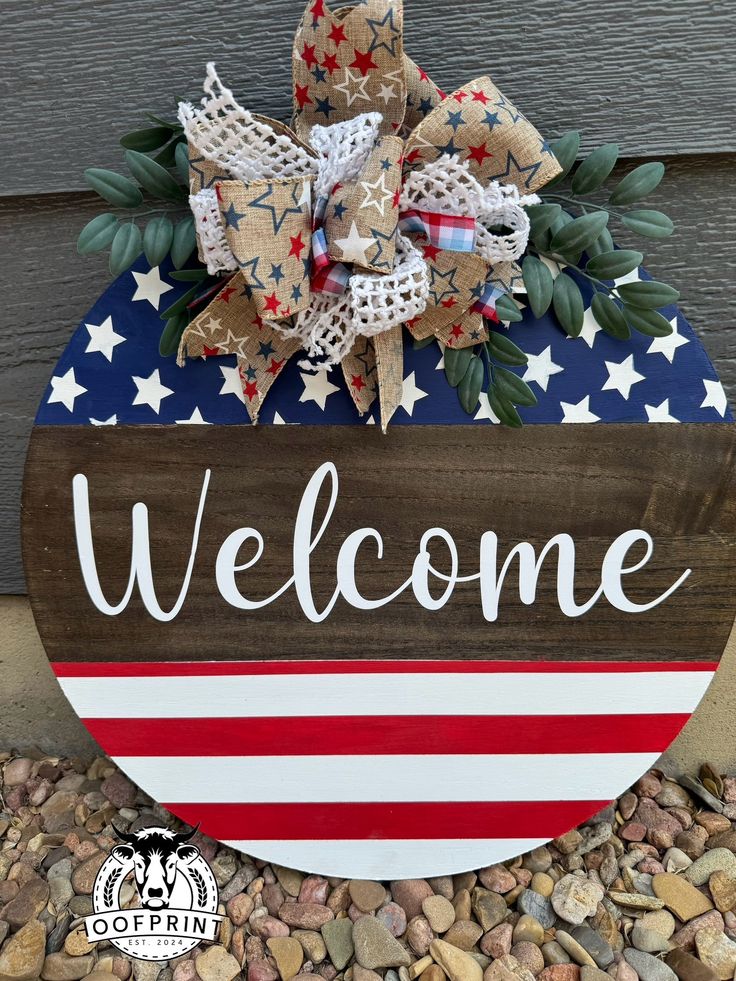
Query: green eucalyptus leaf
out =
(636, 185)
(648, 322)
(507, 310)
(168, 344)
(513, 388)
(167, 157)
(180, 305)
(579, 233)
(650, 224)
(157, 239)
(651, 295)
(504, 410)
(469, 389)
(182, 162)
(97, 234)
(194, 276)
(115, 188)
(539, 284)
(612, 265)
(567, 302)
(456, 364)
(595, 169)
(126, 247)
(565, 150)
(153, 177)
(609, 317)
(146, 140)
(419, 345)
(172, 124)
(504, 350)
(604, 243)
(541, 217)
(185, 241)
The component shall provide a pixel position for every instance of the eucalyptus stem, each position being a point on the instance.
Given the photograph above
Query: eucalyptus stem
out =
(561, 261)
(583, 204)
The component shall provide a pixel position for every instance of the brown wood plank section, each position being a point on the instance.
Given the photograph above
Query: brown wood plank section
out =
(592, 482)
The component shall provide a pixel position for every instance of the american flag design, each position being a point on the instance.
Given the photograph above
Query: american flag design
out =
(393, 768)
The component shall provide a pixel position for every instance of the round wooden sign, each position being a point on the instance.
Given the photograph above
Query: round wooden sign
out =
(380, 656)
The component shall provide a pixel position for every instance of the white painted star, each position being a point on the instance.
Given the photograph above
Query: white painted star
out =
(231, 383)
(660, 413)
(579, 412)
(669, 344)
(112, 421)
(631, 277)
(306, 197)
(64, 389)
(347, 87)
(317, 388)
(150, 287)
(195, 419)
(354, 247)
(540, 368)
(715, 397)
(621, 377)
(387, 93)
(376, 195)
(440, 366)
(278, 420)
(410, 393)
(150, 391)
(554, 267)
(485, 411)
(590, 328)
(103, 339)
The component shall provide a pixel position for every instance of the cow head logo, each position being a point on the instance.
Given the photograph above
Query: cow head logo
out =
(176, 903)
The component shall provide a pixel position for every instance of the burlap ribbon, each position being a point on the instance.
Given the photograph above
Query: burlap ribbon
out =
(389, 205)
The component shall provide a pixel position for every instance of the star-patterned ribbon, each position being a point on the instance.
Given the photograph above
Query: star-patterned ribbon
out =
(377, 212)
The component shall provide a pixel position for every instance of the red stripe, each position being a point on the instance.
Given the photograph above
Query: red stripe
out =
(389, 735)
(401, 821)
(189, 669)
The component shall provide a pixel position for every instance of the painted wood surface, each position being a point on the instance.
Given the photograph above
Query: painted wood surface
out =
(656, 76)
(676, 483)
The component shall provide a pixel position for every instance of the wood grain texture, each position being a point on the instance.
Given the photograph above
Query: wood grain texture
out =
(53, 287)
(654, 76)
(675, 482)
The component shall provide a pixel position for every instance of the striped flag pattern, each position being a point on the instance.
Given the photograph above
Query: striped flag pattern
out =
(405, 768)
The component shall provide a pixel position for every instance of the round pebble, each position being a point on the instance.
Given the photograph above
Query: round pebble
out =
(440, 913)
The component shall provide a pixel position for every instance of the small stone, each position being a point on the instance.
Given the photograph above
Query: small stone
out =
(28, 903)
(419, 935)
(716, 951)
(314, 889)
(266, 926)
(440, 913)
(62, 967)
(288, 954)
(689, 968)
(575, 898)
(543, 884)
(312, 943)
(239, 908)
(568, 843)
(338, 937)
(464, 934)
(647, 967)
(376, 947)
(22, 956)
(661, 922)
(119, 790)
(679, 896)
(84, 875)
(216, 964)
(685, 937)
(497, 942)
(489, 907)
(76, 943)
(717, 859)
(576, 950)
(289, 879)
(394, 918)
(560, 972)
(497, 878)
(305, 916)
(410, 894)
(675, 860)
(462, 904)
(554, 953)
(261, 970)
(433, 973)
(625, 972)
(17, 771)
(529, 956)
(537, 906)
(588, 973)
(442, 885)
(599, 949)
(528, 929)
(723, 890)
(246, 874)
(366, 895)
(417, 968)
(457, 965)
(648, 940)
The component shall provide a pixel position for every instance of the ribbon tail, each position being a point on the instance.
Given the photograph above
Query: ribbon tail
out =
(389, 348)
(259, 372)
(360, 373)
(468, 330)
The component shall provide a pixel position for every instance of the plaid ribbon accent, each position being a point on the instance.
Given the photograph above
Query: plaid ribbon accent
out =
(454, 233)
(486, 304)
(332, 278)
(320, 252)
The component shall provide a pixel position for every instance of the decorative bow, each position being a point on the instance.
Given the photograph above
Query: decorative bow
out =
(389, 205)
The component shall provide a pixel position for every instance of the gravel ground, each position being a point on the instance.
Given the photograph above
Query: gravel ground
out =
(647, 889)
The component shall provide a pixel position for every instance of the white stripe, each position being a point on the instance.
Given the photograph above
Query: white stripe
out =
(388, 859)
(302, 779)
(288, 696)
